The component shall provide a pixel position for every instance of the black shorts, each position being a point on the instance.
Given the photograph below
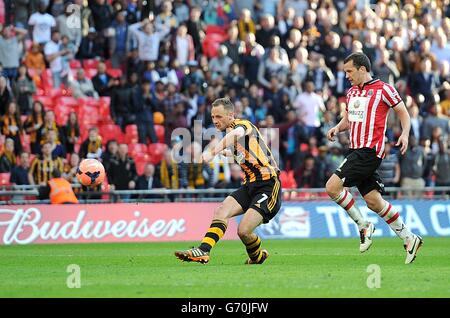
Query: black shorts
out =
(359, 169)
(262, 196)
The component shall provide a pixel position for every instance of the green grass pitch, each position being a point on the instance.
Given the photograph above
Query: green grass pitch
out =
(295, 268)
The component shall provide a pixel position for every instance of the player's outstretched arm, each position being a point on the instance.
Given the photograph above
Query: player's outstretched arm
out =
(343, 125)
(224, 143)
(405, 121)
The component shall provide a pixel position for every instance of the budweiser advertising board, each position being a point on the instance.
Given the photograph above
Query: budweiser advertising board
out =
(93, 223)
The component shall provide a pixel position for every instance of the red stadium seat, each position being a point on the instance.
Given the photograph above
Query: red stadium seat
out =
(160, 133)
(62, 112)
(215, 29)
(90, 72)
(67, 101)
(75, 64)
(110, 131)
(140, 165)
(136, 150)
(104, 110)
(156, 152)
(4, 178)
(131, 132)
(90, 63)
(287, 180)
(114, 72)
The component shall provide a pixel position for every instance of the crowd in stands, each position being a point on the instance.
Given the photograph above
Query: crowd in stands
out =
(113, 79)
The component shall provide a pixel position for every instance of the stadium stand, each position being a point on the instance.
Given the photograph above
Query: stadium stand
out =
(264, 73)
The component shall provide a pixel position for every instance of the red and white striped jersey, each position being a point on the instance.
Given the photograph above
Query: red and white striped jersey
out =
(368, 109)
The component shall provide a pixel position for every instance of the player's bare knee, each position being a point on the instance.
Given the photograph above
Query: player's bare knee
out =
(333, 188)
(374, 203)
(221, 213)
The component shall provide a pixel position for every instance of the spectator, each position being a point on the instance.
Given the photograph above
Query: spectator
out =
(441, 168)
(109, 155)
(102, 81)
(246, 24)
(42, 24)
(120, 26)
(102, 16)
(235, 47)
(220, 65)
(333, 158)
(434, 119)
(424, 81)
(34, 59)
(58, 190)
(21, 13)
(235, 180)
(71, 168)
(5, 95)
(165, 21)
(270, 67)
(66, 58)
(168, 172)
(49, 124)
(91, 148)
(42, 166)
(441, 48)
(91, 46)
(147, 40)
(67, 27)
(292, 43)
(53, 54)
(8, 157)
(181, 11)
(23, 88)
(195, 27)
(10, 50)
(199, 174)
(11, 126)
(385, 69)
(251, 57)
(58, 149)
(267, 30)
(33, 123)
(19, 173)
(148, 181)
(82, 86)
(412, 166)
(144, 114)
(306, 175)
(389, 169)
(71, 132)
(122, 104)
(123, 171)
(309, 105)
(182, 46)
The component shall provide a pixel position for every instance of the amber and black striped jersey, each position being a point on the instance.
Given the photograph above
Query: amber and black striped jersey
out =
(252, 153)
(41, 169)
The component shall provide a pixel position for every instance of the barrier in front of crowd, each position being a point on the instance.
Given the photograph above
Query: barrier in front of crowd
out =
(160, 222)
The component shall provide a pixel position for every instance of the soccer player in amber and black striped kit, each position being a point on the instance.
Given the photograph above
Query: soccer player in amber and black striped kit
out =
(368, 104)
(259, 198)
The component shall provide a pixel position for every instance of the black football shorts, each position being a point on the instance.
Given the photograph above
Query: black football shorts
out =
(262, 196)
(359, 169)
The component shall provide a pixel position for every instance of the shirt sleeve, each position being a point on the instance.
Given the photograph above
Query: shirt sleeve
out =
(390, 95)
(242, 123)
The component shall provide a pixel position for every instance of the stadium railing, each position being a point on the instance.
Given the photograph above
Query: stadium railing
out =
(28, 194)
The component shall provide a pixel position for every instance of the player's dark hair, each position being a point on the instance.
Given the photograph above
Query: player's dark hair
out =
(359, 59)
(225, 102)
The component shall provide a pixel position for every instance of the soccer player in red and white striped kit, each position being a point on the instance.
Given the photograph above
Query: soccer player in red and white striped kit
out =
(368, 104)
